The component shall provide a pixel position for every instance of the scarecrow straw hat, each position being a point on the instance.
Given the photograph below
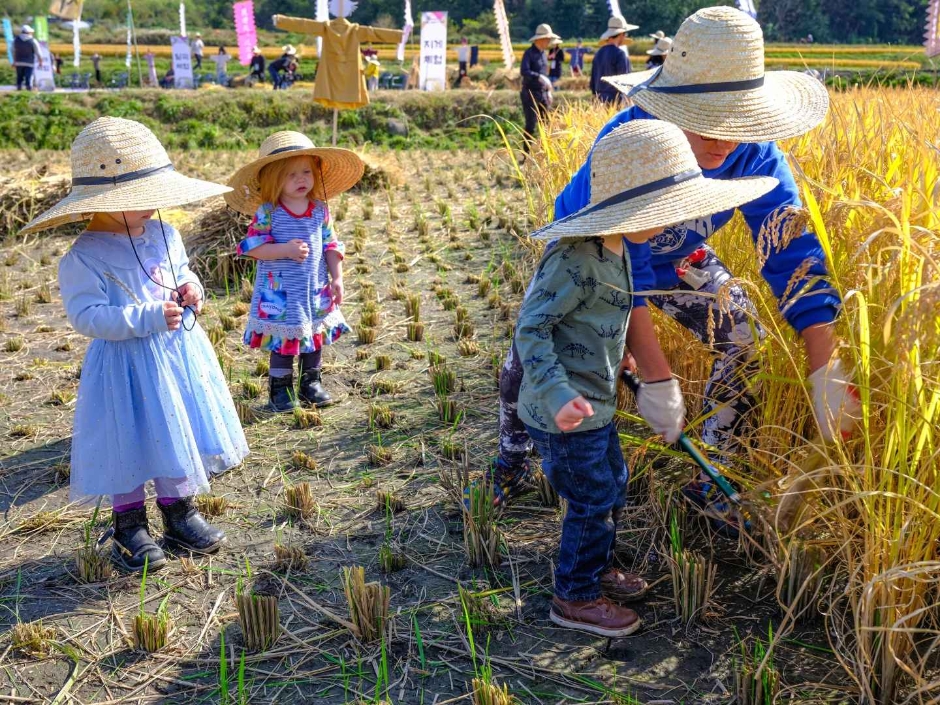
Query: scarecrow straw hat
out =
(340, 169)
(120, 165)
(544, 31)
(661, 48)
(644, 175)
(713, 83)
(617, 25)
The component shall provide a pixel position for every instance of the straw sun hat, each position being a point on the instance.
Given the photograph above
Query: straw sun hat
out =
(661, 48)
(617, 25)
(644, 175)
(713, 83)
(120, 165)
(544, 31)
(340, 169)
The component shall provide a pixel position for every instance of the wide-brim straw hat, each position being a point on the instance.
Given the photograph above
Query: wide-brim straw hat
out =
(661, 48)
(340, 169)
(643, 176)
(658, 34)
(713, 83)
(289, 50)
(544, 31)
(617, 25)
(120, 165)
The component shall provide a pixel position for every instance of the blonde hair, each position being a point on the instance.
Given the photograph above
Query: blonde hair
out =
(273, 176)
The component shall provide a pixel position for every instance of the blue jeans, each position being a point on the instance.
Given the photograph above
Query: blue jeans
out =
(588, 470)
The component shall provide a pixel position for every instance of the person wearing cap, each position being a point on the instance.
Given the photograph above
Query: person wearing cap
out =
(372, 70)
(657, 55)
(556, 61)
(199, 47)
(714, 87)
(570, 337)
(576, 55)
(152, 405)
(536, 87)
(26, 55)
(611, 59)
(282, 64)
(257, 64)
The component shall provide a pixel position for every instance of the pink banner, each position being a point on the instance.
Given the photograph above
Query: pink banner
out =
(245, 30)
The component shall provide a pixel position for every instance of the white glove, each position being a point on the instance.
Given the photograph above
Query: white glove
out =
(662, 406)
(835, 400)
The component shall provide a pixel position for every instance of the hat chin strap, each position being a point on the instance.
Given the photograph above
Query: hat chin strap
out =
(724, 87)
(120, 178)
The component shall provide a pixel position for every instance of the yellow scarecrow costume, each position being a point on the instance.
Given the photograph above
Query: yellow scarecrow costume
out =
(339, 82)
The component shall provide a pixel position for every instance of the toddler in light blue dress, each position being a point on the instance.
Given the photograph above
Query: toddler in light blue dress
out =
(152, 402)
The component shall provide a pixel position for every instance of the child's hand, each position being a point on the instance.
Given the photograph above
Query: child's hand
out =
(336, 291)
(296, 250)
(173, 315)
(192, 296)
(570, 416)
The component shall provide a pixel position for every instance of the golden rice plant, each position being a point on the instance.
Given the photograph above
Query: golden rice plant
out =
(211, 505)
(367, 602)
(303, 461)
(415, 331)
(307, 418)
(299, 503)
(413, 306)
(383, 362)
(485, 691)
(869, 179)
(381, 416)
(259, 617)
(32, 638)
(289, 557)
(365, 334)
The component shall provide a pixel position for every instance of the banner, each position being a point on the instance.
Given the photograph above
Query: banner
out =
(44, 76)
(932, 36)
(66, 9)
(41, 25)
(409, 25)
(130, 24)
(748, 7)
(245, 30)
(76, 46)
(614, 7)
(323, 15)
(8, 38)
(432, 74)
(182, 19)
(502, 26)
(182, 63)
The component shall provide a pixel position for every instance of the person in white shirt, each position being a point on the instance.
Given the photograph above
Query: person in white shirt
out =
(198, 48)
(463, 60)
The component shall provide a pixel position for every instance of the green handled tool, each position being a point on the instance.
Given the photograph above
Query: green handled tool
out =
(632, 381)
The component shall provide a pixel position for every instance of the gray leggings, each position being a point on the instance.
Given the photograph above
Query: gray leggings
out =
(283, 365)
(728, 400)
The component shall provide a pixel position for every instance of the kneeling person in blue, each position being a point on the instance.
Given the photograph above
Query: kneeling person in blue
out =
(570, 338)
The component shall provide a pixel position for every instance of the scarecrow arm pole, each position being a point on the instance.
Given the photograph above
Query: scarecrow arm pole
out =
(300, 25)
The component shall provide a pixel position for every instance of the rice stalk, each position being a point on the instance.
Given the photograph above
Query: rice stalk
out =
(368, 604)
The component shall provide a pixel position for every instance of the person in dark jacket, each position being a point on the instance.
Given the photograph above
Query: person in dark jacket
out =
(556, 61)
(283, 64)
(536, 88)
(611, 60)
(26, 54)
(257, 64)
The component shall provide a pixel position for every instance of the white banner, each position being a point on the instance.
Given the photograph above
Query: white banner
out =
(182, 19)
(409, 25)
(76, 46)
(502, 26)
(748, 7)
(44, 76)
(323, 15)
(432, 75)
(182, 63)
(614, 7)
(932, 35)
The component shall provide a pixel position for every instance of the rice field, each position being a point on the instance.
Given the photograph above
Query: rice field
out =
(449, 605)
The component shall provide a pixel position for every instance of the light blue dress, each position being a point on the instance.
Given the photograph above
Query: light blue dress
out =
(151, 402)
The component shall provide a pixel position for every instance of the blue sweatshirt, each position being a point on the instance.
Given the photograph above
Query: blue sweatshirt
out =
(610, 60)
(653, 263)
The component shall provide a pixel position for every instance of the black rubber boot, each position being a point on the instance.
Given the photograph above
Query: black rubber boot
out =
(185, 527)
(312, 391)
(132, 545)
(281, 393)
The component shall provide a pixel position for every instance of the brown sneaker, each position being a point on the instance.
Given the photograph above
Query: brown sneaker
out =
(600, 616)
(623, 587)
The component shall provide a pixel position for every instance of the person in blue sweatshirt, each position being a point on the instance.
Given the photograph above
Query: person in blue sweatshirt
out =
(713, 86)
